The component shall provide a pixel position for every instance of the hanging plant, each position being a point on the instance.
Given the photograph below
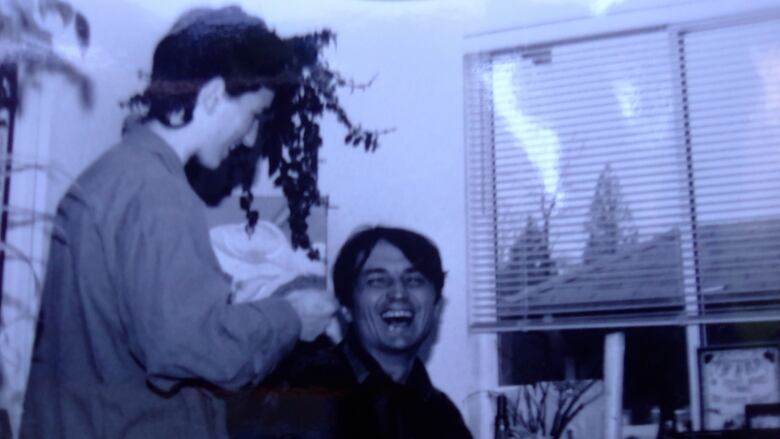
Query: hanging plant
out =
(290, 139)
(26, 53)
(26, 42)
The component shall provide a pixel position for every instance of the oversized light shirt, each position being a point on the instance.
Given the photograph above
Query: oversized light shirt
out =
(136, 327)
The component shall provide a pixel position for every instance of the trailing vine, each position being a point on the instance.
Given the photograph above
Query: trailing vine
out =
(26, 43)
(290, 137)
(28, 54)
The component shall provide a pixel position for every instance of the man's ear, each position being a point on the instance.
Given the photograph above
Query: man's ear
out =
(438, 308)
(346, 314)
(210, 95)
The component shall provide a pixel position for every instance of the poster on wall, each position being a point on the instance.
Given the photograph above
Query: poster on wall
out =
(733, 377)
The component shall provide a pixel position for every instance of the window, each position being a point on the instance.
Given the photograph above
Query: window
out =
(732, 110)
(577, 226)
(625, 181)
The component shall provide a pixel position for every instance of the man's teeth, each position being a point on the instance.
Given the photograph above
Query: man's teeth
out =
(397, 314)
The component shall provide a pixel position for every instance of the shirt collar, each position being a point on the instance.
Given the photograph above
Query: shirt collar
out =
(364, 365)
(357, 359)
(141, 137)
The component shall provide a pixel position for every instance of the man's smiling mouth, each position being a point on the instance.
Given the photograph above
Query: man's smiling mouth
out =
(397, 318)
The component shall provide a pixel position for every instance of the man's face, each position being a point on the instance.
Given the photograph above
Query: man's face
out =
(234, 122)
(394, 305)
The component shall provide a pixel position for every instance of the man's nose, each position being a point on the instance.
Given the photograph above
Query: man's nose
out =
(251, 136)
(398, 290)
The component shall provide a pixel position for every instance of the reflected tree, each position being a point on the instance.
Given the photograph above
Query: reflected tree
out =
(610, 225)
(528, 357)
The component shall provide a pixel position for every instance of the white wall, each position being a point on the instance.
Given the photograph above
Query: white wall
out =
(416, 178)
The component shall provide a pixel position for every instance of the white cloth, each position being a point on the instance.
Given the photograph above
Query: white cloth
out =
(266, 259)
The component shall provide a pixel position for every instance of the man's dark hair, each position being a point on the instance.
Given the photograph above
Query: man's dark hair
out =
(209, 43)
(419, 250)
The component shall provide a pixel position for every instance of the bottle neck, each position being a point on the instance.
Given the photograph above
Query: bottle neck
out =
(501, 428)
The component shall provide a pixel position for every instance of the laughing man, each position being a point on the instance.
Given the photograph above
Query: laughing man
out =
(372, 385)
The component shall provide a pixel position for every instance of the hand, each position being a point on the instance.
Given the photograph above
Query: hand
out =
(304, 282)
(315, 309)
(256, 288)
(260, 287)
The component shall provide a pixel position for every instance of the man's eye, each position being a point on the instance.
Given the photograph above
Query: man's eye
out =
(415, 280)
(379, 281)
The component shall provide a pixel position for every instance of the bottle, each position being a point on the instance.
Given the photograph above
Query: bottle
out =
(501, 426)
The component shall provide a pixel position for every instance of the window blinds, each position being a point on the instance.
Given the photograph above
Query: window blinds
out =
(625, 179)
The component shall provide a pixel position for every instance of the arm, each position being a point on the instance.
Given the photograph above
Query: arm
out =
(450, 418)
(307, 295)
(175, 309)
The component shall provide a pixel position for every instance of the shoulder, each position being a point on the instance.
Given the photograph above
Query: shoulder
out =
(126, 192)
(316, 364)
(127, 176)
(119, 170)
(447, 416)
(98, 189)
(443, 402)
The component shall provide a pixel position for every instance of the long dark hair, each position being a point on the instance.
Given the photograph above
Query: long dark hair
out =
(419, 250)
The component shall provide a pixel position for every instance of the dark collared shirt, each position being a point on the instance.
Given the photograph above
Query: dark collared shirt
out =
(135, 322)
(326, 392)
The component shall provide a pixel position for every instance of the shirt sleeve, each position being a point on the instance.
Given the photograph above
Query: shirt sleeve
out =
(176, 312)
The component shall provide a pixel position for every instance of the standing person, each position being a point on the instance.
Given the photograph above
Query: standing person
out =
(137, 331)
(373, 384)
